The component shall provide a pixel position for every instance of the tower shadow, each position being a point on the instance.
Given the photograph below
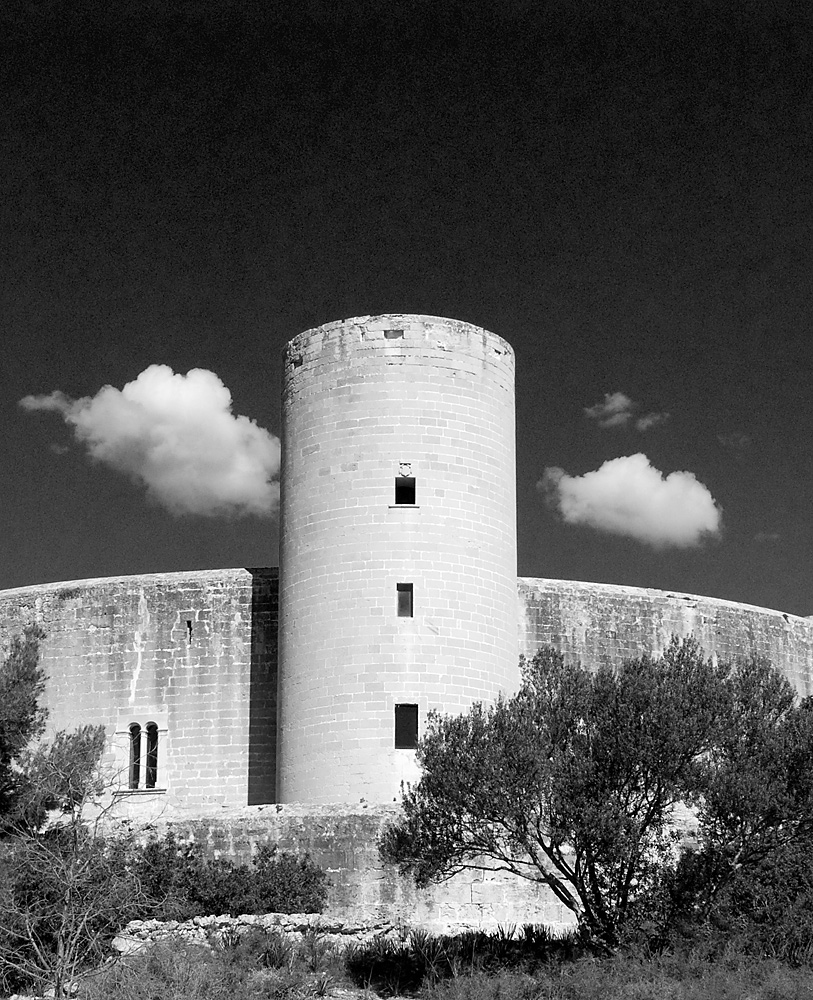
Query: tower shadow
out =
(262, 714)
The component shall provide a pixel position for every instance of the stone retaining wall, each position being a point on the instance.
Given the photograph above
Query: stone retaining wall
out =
(294, 927)
(363, 891)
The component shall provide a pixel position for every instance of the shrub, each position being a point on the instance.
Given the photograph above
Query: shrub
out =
(426, 960)
(186, 884)
(317, 953)
(63, 896)
(572, 782)
(258, 963)
(169, 970)
(388, 967)
(177, 970)
(767, 910)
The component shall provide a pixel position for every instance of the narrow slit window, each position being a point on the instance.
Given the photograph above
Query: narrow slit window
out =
(151, 770)
(404, 594)
(135, 755)
(406, 727)
(405, 490)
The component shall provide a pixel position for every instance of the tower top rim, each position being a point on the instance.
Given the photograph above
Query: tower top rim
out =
(393, 320)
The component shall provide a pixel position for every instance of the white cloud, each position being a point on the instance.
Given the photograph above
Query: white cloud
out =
(177, 435)
(767, 536)
(650, 420)
(628, 496)
(618, 410)
(615, 411)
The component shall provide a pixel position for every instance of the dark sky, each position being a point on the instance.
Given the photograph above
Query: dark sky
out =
(624, 191)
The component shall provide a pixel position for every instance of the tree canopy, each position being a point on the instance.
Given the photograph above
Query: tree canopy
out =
(573, 781)
(22, 719)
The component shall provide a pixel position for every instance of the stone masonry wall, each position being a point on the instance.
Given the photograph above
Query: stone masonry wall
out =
(598, 623)
(343, 841)
(367, 400)
(195, 653)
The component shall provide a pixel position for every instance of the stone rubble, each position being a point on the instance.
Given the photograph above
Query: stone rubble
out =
(138, 934)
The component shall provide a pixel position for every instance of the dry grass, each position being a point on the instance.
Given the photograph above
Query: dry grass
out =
(263, 966)
(668, 979)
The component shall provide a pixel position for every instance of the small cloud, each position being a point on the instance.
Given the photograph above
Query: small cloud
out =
(176, 434)
(736, 442)
(615, 411)
(628, 496)
(767, 536)
(618, 410)
(58, 449)
(650, 420)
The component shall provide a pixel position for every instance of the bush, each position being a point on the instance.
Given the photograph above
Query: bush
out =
(393, 967)
(766, 910)
(168, 971)
(572, 782)
(388, 967)
(239, 970)
(257, 963)
(64, 895)
(184, 883)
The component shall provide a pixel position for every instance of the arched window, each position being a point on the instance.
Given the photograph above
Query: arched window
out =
(138, 734)
(151, 775)
(135, 754)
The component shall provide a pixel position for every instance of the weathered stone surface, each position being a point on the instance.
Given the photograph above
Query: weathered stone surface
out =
(435, 397)
(601, 623)
(193, 652)
(294, 926)
(362, 890)
(120, 647)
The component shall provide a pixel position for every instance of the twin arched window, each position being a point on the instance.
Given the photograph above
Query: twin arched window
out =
(143, 755)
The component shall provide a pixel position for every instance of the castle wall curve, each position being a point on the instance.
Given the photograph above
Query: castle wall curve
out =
(365, 401)
(120, 648)
(192, 653)
(602, 623)
(196, 653)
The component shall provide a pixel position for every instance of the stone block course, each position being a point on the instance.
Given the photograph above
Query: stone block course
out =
(219, 699)
(339, 573)
(362, 891)
(602, 623)
(200, 650)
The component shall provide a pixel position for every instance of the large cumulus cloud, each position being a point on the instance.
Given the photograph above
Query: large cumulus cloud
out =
(176, 434)
(628, 496)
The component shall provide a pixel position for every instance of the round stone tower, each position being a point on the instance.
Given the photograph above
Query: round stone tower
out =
(398, 585)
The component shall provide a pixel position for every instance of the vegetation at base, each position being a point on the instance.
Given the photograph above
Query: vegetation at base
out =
(65, 895)
(66, 888)
(572, 782)
(258, 963)
(392, 967)
(184, 883)
(62, 890)
(506, 965)
(22, 683)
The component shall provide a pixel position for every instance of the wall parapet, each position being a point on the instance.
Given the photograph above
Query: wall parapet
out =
(601, 623)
